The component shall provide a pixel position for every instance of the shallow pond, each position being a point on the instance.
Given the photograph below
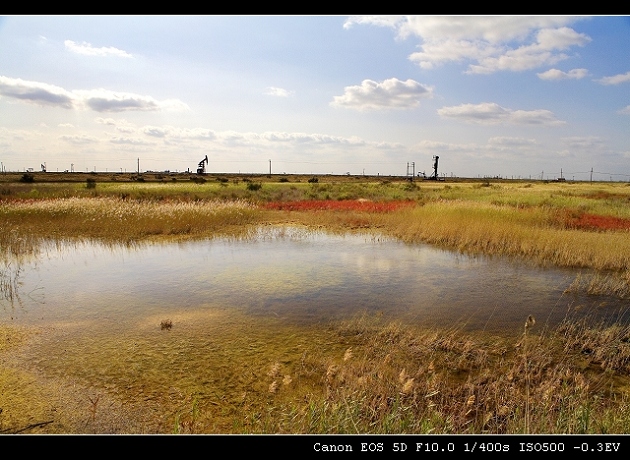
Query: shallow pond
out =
(294, 275)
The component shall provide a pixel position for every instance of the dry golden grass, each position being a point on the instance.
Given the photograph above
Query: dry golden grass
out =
(489, 229)
(121, 220)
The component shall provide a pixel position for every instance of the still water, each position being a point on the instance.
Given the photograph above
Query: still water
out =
(294, 275)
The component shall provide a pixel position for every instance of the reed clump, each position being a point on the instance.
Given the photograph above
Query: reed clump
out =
(399, 381)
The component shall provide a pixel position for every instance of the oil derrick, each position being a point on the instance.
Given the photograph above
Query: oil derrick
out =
(201, 168)
(434, 176)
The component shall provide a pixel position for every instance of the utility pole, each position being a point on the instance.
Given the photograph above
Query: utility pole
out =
(270, 167)
(591, 174)
(138, 166)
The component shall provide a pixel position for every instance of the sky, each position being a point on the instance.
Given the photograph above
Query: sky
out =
(491, 96)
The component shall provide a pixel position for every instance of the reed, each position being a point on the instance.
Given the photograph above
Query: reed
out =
(488, 229)
(121, 219)
(402, 381)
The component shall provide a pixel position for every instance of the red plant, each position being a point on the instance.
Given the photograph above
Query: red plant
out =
(341, 205)
(595, 222)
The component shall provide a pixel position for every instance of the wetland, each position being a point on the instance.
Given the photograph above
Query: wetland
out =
(346, 305)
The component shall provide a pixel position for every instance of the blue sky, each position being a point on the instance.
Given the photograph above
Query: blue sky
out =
(509, 96)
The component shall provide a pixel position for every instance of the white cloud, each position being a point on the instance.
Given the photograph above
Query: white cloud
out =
(65, 125)
(561, 38)
(494, 43)
(313, 139)
(99, 100)
(542, 52)
(263, 140)
(154, 131)
(437, 53)
(511, 142)
(555, 74)
(121, 125)
(105, 121)
(128, 141)
(384, 21)
(88, 50)
(625, 110)
(433, 145)
(615, 79)
(279, 92)
(490, 113)
(492, 29)
(178, 133)
(79, 139)
(388, 94)
(36, 92)
(589, 143)
(125, 129)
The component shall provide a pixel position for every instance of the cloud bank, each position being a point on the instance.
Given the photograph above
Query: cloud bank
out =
(555, 74)
(88, 50)
(99, 100)
(489, 113)
(487, 44)
(615, 79)
(36, 92)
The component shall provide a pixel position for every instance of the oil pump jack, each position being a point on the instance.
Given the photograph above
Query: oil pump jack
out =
(201, 168)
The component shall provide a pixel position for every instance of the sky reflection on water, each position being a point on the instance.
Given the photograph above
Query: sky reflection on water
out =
(295, 275)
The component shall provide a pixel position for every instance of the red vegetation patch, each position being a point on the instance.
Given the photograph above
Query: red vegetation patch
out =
(342, 205)
(586, 221)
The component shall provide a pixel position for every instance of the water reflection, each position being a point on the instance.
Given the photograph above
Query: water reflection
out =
(295, 275)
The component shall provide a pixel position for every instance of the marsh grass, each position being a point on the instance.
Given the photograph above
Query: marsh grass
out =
(616, 284)
(488, 229)
(402, 381)
(121, 219)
